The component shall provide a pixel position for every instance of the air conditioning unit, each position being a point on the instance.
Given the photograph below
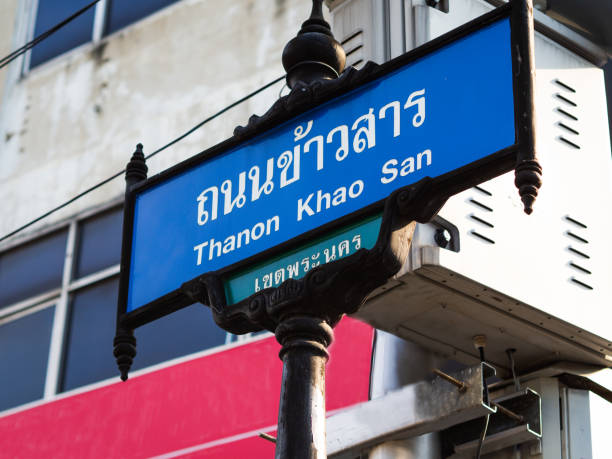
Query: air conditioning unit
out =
(540, 284)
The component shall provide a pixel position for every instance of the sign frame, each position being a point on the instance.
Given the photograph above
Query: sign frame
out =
(304, 98)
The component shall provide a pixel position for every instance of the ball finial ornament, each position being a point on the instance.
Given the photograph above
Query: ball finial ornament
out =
(314, 54)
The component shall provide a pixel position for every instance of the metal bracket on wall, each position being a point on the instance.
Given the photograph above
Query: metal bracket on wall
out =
(431, 406)
(518, 420)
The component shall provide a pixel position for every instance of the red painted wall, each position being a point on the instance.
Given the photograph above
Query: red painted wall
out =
(209, 407)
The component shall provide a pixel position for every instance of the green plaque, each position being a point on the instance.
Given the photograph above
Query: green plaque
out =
(297, 263)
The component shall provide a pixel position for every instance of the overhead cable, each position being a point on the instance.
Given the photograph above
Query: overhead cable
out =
(118, 174)
(18, 52)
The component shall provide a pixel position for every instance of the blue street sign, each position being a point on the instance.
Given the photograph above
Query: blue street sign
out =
(441, 112)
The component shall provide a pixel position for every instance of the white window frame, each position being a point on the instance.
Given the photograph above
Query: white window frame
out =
(61, 297)
(97, 33)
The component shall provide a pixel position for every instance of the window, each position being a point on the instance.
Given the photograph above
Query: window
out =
(92, 327)
(75, 33)
(24, 350)
(123, 13)
(111, 14)
(32, 268)
(99, 244)
(58, 303)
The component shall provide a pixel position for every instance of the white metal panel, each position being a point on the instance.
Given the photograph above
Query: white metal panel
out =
(551, 269)
(576, 432)
(364, 18)
(556, 260)
(443, 312)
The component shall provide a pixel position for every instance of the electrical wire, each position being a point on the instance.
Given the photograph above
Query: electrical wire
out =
(482, 437)
(18, 52)
(150, 155)
(515, 379)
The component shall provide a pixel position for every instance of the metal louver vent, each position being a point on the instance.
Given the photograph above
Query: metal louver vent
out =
(578, 248)
(481, 215)
(353, 47)
(566, 112)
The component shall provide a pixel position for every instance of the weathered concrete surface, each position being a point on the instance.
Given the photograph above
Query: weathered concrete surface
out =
(8, 18)
(75, 120)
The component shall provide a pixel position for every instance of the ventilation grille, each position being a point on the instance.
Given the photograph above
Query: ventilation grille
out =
(481, 215)
(578, 248)
(566, 114)
(353, 47)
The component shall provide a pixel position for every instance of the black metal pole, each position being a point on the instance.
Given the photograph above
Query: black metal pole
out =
(313, 55)
(301, 415)
(528, 171)
(303, 312)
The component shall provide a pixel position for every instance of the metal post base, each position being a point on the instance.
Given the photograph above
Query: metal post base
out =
(301, 416)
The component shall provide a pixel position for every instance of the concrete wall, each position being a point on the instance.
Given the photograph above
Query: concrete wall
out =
(8, 19)
(75, 120)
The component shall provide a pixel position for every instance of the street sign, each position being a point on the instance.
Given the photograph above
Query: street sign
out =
(446, 110)
(295, 220)
(296, 263)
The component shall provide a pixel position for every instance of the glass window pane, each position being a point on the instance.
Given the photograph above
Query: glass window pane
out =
(183, 332)
(24, 351)
(89, 339)
(73, 34)
(123, 13)
(32, 268)
(89, 357)
(99, 243)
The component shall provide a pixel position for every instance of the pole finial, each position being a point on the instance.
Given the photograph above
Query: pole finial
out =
(136, 170)
(316, 22)
(124, 350)
(528, 180)
(313, 54)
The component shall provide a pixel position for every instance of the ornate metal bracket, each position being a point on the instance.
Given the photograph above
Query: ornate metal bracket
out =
(334, 289)
(303, 312)
(304, 96)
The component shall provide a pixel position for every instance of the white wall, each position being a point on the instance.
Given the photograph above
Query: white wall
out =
(75, 120)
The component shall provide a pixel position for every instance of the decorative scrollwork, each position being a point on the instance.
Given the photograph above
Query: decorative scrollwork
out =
(303, 97)
(328, 291)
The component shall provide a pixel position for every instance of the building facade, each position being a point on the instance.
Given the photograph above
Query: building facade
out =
(122, 72)
(71, 113)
